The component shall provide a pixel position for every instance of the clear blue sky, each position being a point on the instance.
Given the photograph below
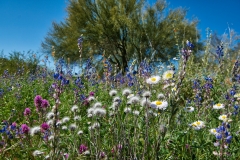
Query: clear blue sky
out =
(25, 23)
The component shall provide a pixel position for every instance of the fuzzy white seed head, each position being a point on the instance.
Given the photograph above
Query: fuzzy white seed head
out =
(35, 130)
(97, 104)
(50, 115)
(126, 92)
(127, 110)
(74, 108)
(65, 119)
(113, 93)
(37, 153)
(146, 94)
(99, 112)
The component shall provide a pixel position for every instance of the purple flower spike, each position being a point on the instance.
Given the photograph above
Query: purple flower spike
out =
(45, 126)
(44, 103)
(82, 148)
(25, 129)
(38, 101)
(91, 94)
(27, 112)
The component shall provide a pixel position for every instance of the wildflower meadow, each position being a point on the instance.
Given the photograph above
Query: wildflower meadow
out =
(183, 109)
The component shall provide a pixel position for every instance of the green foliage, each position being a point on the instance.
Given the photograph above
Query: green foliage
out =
(121, 30)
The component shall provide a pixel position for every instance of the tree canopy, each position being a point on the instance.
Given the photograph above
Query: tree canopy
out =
(121, 30)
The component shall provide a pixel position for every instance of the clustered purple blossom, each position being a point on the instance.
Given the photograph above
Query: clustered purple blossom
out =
(27, 112)
(82, 148)
(25, 129)
(45, 126)
(40, 103)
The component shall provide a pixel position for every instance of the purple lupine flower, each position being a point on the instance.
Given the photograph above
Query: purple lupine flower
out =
(14, 125)
(25, 129)
(229, 139)
(27, 112)
(38, 101)
(44, 103)
(45, 126)
(82, 148)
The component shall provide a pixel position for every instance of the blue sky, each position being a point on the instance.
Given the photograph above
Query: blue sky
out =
(24, 24)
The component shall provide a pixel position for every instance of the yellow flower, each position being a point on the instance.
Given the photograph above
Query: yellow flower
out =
(168, 75)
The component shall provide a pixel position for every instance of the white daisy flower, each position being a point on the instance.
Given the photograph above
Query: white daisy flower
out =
(126, 92)
(168, 75)
(213, 131)
(113, 92)
(223, 118)
(218, 106)
(198, 125)
(74, 108)
(153, 80)
(159, 104)
(189, 109)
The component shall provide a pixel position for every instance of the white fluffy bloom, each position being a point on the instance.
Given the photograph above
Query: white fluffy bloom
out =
(135, 100)
(145, 102)
(80, 132)
(116, 99)
(65, 119)
(74, 108)
(198, 125)
(126, 92)
(146, 94)
(97, 104)
(127, 110)
(218, 106)
(35, 130)
(189, 109)
(59, 123)
(90, 110)
(130, 96)
(223, 118)
(64, 128)
(136, 112)
(37, 153)
(77, 118)
(73, 127)
(50, 122)
(50, 115)
(160, 96)
(99, 112)
(95, 125)
(113, 92)
(153, 80)
(91, 98)
(168, 75)
(159, 105)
